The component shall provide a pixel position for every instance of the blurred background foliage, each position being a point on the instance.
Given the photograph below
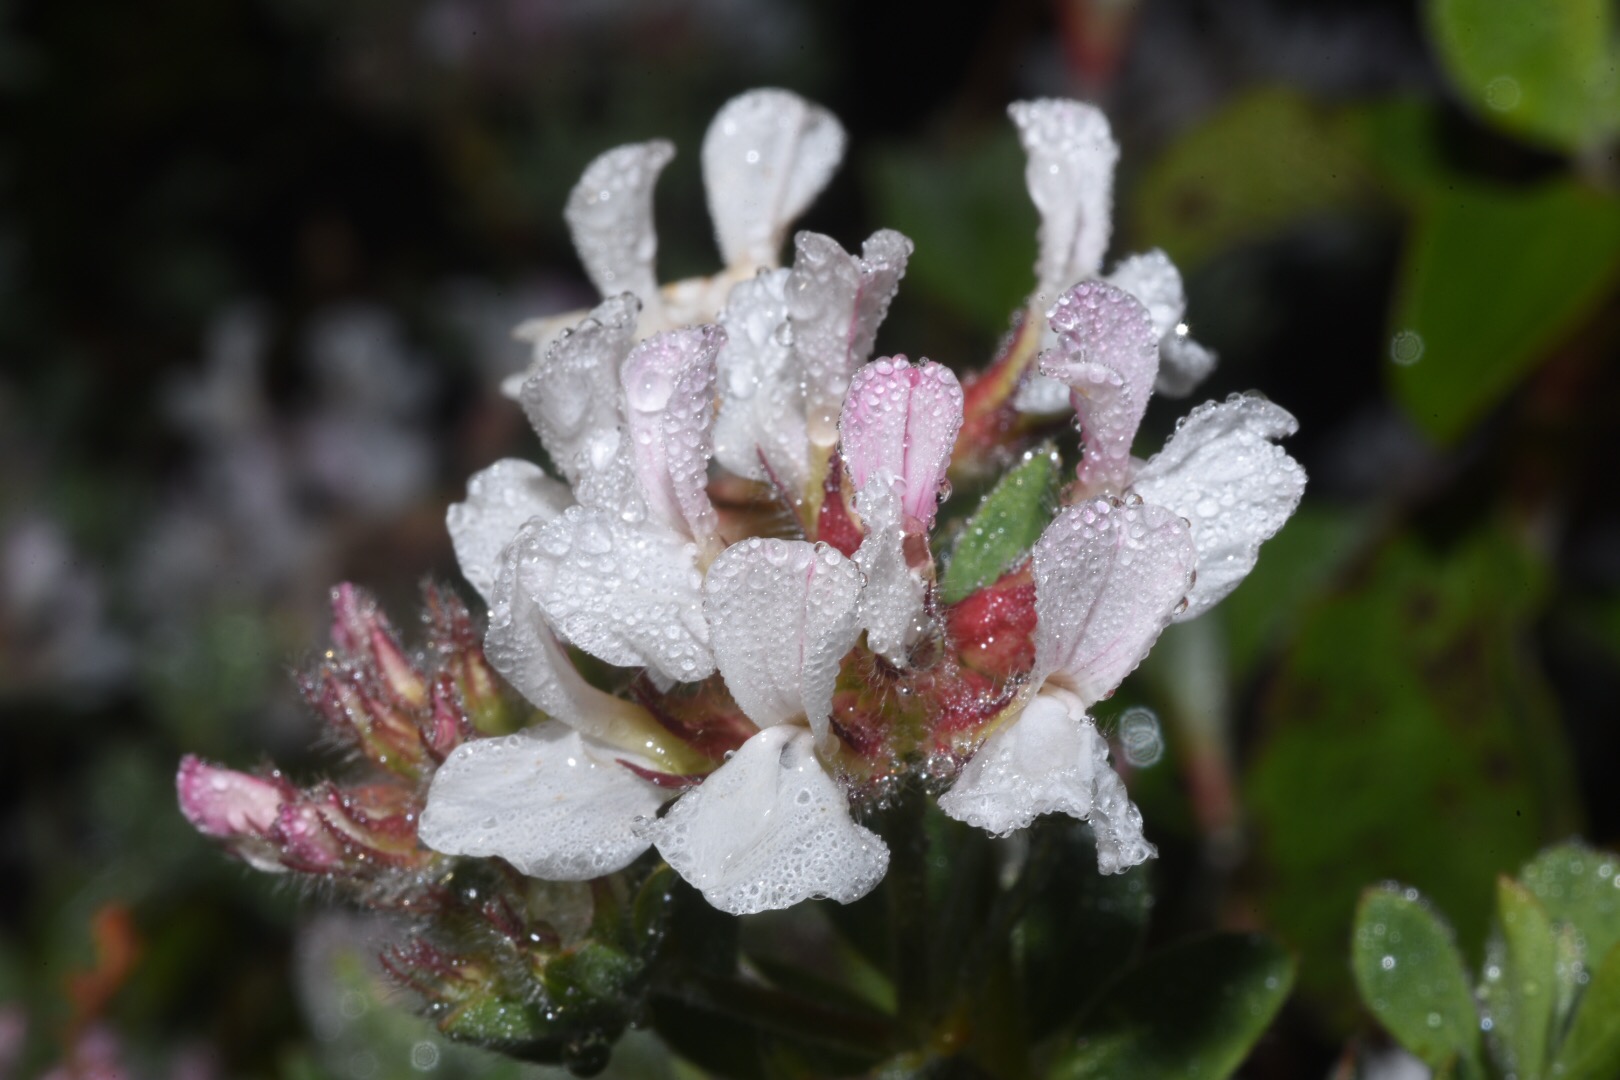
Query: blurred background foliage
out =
(258, 262)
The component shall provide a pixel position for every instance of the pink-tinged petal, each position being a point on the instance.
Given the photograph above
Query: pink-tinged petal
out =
(766, 156)
(610, 215)
(500, 499)
(1108, 357)
(1108, 578)
(760, 431)
(1070, 175)
(892, 609)
(1222, 472)
(572, 399)
(522, 647)
(782, 614)
(837, 302)
(224, 803)
(669, 397)
(628, 592)
(552, 802)
(902, 421)
(768, 829)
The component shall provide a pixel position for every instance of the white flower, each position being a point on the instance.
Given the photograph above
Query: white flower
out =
(1108, 577)
(766, 156)
(770, 827)
(1220, 470)
(1070, 176)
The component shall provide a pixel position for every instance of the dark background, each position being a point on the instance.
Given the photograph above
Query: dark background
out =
(258, 261)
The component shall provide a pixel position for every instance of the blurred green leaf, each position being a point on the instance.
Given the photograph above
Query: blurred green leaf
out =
(1520, 986)
(1591, 1051)
(1546, 71)
(1005, 526)
(1493, 278)
(1411, 976)
(1294, 567)
(966, 209)
(1195, 1009)
(1406, 714)
(1267, 159)
(1579, 886)
(1078, 920)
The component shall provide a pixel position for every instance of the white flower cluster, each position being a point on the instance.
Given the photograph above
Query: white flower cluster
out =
(763, 369)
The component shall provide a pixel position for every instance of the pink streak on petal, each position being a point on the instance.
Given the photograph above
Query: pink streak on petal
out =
(1108, 357)
(669, 389)
(224, 803)
(902, 420)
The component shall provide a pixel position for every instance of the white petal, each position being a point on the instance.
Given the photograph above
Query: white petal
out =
(499, 500)
(1108, 577)
(669, 415)
(1041, 395)
(1156, 283)
(1108, 356)
(768, 829)
(892, 598)
(766, 156)
(1183, 364)
(902, 421)
(572, 399)
(628, 592)
(1154, 280)
(548, 800)
(1070, 175)
(1117, 825)
(781, 617)
(520, 645)
(1043, 762)
(1221, 471)
(610, 215)
(837, 302)
(761, 399)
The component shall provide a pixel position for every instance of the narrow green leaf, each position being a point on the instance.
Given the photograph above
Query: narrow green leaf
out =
(1411, 976)
(1195, 1009)
(1545, 71)
(1492, 279)
(1591, 1051)
(1520, 988)
(1579, 886)
(1005, 526)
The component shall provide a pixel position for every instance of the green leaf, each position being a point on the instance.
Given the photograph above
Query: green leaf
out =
(1520, 987)
(1492, 279)
(1195, 1009)
(972, 221)
(1580, 886)
(1591, 1051)
(1266, 160)
(1078, 920)
(1295, 566)
(1406, 714)
(1546, 71)
(1005, 526)
(1411, 976)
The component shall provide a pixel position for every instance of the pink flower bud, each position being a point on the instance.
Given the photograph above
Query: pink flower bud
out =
(226, 804)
